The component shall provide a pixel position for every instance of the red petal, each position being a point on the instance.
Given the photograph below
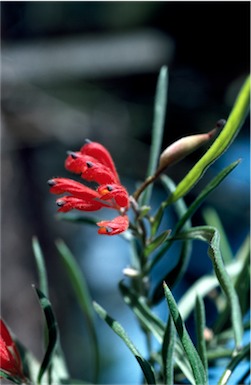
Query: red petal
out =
(5, 334)
(89, 168)
(96, 172)
(68, 203)
(115, 193)
(65, 185)
(9, 355)
(116, 226)
(99, 152)
(77, 162)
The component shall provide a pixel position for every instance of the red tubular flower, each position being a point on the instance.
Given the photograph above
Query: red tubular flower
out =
(99, 152)
(116, 226)
(10, 358)
(95, 164)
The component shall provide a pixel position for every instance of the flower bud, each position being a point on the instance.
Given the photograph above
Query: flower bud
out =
(183, 147)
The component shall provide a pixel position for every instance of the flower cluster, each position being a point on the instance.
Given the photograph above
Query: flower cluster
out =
(9, 356)
(94, 163)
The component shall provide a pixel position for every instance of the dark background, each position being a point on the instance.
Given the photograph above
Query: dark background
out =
(76, 70)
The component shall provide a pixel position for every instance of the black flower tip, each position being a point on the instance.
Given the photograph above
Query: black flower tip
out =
(72, 154)
(60, 203)
(51, 182)
(220, 123)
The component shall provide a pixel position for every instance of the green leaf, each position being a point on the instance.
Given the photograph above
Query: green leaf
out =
(180, 208)
(242, 286)
(119, 330)
(59, 367)
(191, 352)
(233, 364)
(82, 294)
(39, 258)
(173, 276)
(222, 142)
(158, 129)
(204, 285)
(212, 218)
(155, 243)
(52, 329)
(148, 319)
(182, 362)
(156, 326)
(9, 377)
(203, 195)
(185, 213)
(200, 322)
(211, 236)
(168, 352)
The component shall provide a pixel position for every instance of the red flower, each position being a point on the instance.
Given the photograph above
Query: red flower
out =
(10, 357)
(94, 163)
(116, 226)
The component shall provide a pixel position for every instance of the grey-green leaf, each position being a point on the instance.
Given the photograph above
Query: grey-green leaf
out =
(168, 352)
(52, 329)
(211, 236)
(119, 330)
(39, 258)
(191, 352)
(200, 322)
(158, 128)
(150, 321)
(83, 296)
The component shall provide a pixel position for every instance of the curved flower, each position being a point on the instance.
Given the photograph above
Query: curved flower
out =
(94, 163)
(9, 356)
(116, 226)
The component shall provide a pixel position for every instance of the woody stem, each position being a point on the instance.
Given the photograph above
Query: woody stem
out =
(150, 179)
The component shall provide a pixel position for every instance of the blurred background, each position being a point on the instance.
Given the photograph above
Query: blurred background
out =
(76, 70)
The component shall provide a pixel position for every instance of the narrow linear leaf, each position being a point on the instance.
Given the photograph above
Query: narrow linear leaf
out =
(243, 354)
(200, 322)
(215, 354)
(211, 236)
(82, 294)
(155, 243)
(204, 194)
(156, 326)
(183, 363)
(222, 142)
(52, 329)
(119, 330)
(150, 321)
(39, 258)
(173, 276)
(168, 352)
(191, 352)
(158, 128)
(59, 367)
(184, 219)
(180, 208)
(212, 218)
(14, 379)
(204, 285)
(242, 286)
